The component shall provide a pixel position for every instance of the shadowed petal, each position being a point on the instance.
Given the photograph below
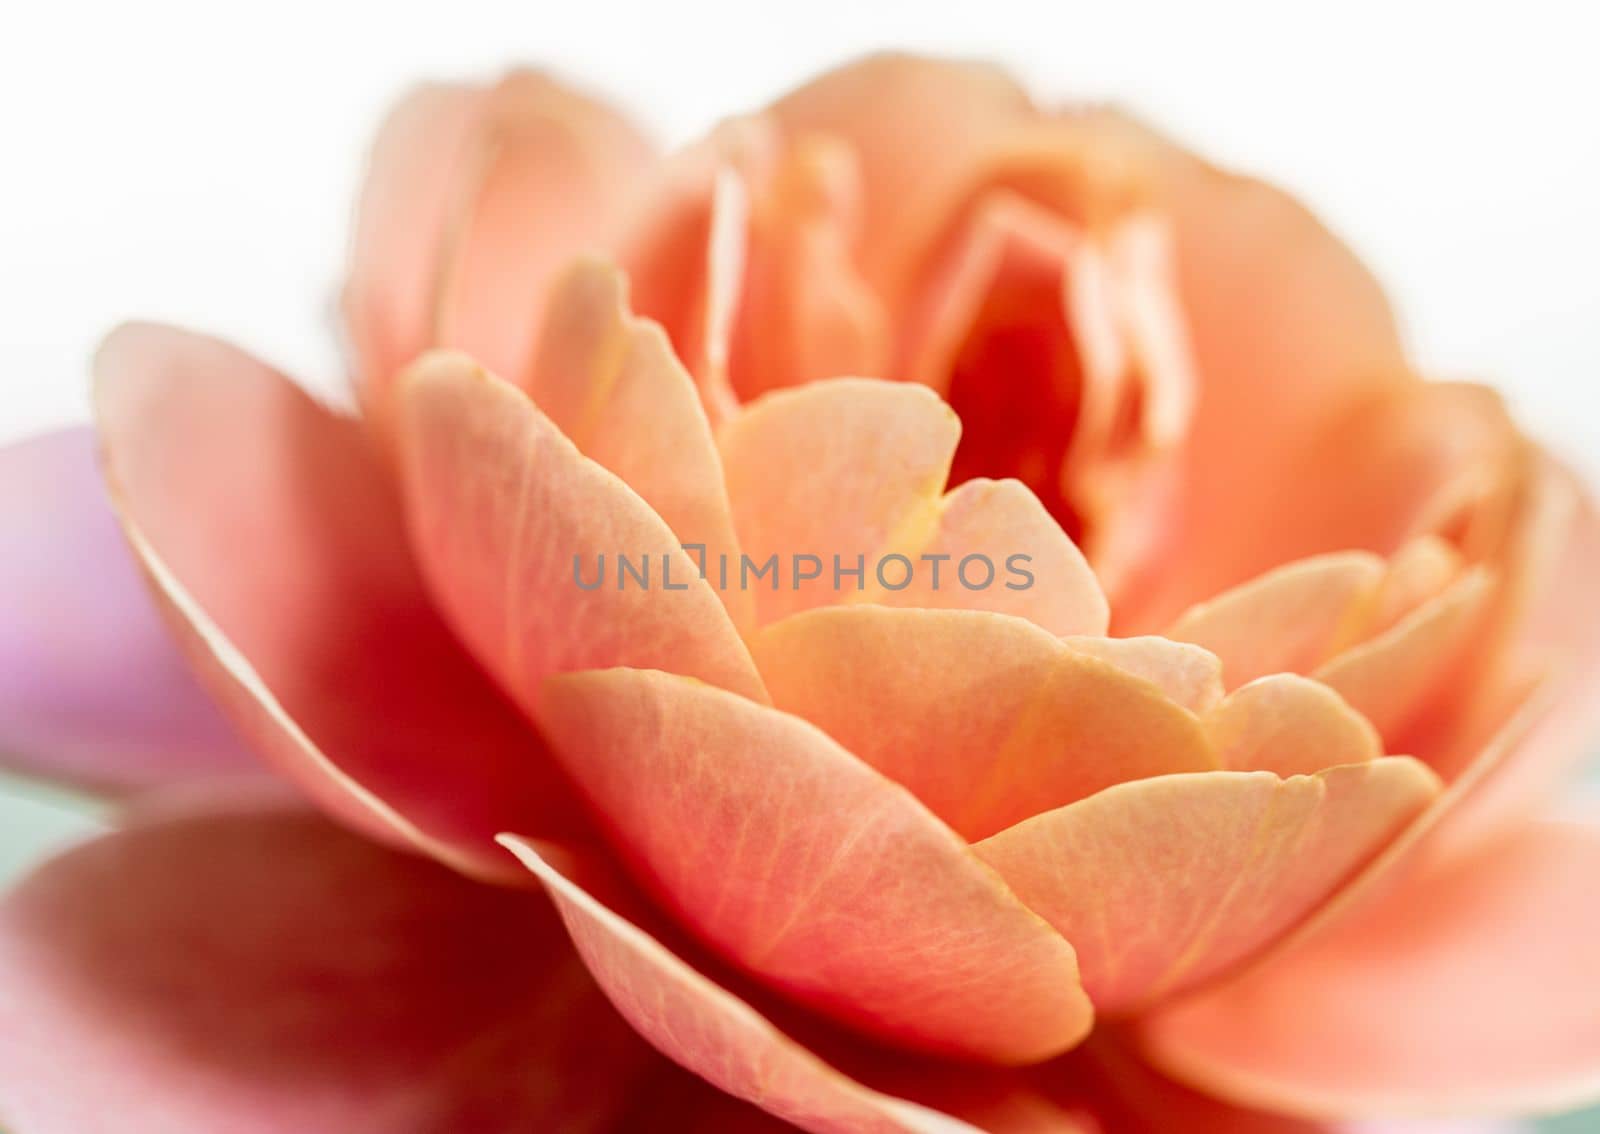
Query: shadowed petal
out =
(1469, 990)
(276, 547)
(250, 969)
(93, 689)
(1164, 883)
(1289, 725)
(789, 855)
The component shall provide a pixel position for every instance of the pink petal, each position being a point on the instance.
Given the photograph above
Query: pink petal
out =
(713, 1032)
(508, 516)
(1469, 990)
(276, 549)
(250, 969)
(1188, 674)
(1164, 883)
(798, 853)
(93, 689)
(611, 383)
(986, 719)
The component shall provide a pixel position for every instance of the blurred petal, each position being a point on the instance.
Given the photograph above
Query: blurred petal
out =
(252, 969)
(93, 689)
(276, 548)
(787, 853)
(1165, 883)
(1291, 726)
(473, 198)
(711, 1031)
(1470, 990)
(610, 382)
(986, 719)
(509, 519)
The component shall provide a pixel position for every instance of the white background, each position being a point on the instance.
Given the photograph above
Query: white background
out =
(196, 161)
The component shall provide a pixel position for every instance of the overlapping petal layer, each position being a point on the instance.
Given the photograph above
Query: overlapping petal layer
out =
(271, 534)
(805, 866)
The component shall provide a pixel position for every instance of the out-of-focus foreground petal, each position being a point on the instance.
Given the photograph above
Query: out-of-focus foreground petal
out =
(711, 1030)
(93, 689)
(245, 968)
(803, 865)
(474, 197)
(1474, 989)
(276, 544)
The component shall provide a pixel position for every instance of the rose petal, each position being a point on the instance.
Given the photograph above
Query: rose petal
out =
(610, 382)
(473, 197)
(1186, 673)
(1165, 883)
(994, 547)
(1287, 620)
(798, 853)
(1368, 1017)
(711, 1031)
(521, 537)
(843, 471)
(986, 719)
(249, 968)
(276, 548)
(93, 689)
(548, 175)
(1291, 726)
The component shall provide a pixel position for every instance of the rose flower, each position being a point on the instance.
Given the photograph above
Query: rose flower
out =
(1198, 793)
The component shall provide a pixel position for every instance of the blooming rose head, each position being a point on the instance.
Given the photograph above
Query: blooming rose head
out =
(961, 612)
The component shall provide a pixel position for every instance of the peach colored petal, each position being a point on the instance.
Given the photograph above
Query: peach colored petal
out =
(1287, 620)
(916, 127)
(548, 175)
(253, 969)
(842, 469)
(985, 718)
(1165, 883)
(1390, 677)
(710, 1030)
(1417, 572)
(787, 853)
(1470, 990)
(508, 517)
(94, 691)
(413, 178)
(276, 549)
(1291, 726)
(1186, 673)
(804, 312)
(611, 383)
(1024, 563)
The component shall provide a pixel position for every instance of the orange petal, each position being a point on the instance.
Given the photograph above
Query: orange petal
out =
(511, 523)
(916, 127)
(1390, 677)
(839, 470)
(707, 1028)
(986, 719)
(1291, 726)
(1470, 990)
(611, 383)
(1165, 883)
(246, 966)
(274, 543)
(1288, 620)
(798, 852)
(1186, 673)
(547, 175)
(995, 548)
